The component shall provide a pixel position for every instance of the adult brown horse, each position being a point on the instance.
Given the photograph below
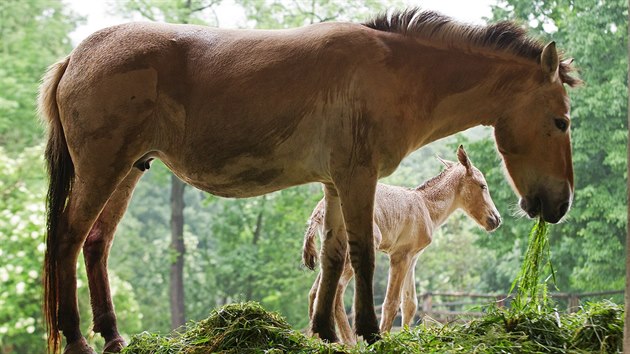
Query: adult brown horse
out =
(239, 113)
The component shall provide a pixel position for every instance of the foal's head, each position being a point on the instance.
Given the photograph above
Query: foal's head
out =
(473, 195)
(534, 139)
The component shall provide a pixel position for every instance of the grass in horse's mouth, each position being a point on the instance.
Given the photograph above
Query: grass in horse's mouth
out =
(531, 269)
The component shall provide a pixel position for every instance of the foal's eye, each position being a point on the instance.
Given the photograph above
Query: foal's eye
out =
(561, 124)
(483, 186)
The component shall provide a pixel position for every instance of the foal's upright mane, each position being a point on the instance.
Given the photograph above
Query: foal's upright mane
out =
(504, 36)
(431, 182)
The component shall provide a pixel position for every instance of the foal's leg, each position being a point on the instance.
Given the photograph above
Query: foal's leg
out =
(408, 297)
(357, 197)
(88, 197)
(341, 317)
(96, 251)
(398, 266)
(333, 255)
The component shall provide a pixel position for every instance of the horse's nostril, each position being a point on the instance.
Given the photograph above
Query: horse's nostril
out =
(563, 208)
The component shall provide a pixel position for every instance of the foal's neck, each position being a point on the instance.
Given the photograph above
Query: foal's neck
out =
(440, 196)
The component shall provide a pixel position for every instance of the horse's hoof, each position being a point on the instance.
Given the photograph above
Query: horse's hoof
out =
(115, 345)
(80, 346)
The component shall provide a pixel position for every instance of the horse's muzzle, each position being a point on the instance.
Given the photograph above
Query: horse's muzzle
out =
(531, 205)
(550, 212)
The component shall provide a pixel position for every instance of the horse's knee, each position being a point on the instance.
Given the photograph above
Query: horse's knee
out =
(362, 258)
(410, 303)
(96, 244)
(69, 242)
(334, 253)
(391, 307)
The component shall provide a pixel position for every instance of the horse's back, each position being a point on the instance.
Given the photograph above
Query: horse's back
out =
(233, 112)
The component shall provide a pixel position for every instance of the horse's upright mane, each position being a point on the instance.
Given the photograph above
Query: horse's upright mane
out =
(431, 182)
(504, 36)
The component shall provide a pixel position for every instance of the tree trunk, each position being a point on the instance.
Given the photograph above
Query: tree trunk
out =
(626, 328)
(178, 317)
(257, 233)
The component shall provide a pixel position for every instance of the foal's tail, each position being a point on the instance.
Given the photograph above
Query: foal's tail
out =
(60, 174)
(309, 252)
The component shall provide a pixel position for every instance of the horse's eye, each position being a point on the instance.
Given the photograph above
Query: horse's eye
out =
(561, 124)
(483, 186)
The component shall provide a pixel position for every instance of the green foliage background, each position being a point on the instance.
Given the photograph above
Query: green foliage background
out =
(227, 260)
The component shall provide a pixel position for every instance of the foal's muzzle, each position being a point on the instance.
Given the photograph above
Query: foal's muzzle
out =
(493, 221)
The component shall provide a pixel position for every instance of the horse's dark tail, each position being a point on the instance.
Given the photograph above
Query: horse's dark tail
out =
(309, 252)
(60, 174)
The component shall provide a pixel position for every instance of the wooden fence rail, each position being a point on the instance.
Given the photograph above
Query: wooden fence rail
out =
(456, 306)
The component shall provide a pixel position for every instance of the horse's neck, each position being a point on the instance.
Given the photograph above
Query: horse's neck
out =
(440, 197)
(454, 90)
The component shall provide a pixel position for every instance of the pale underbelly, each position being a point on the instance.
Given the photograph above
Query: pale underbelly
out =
(244, 179)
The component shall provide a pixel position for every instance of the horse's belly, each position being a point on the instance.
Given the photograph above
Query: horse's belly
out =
(249, 184)
(244, 177)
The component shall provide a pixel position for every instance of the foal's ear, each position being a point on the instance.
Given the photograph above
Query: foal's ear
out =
(550, 62)
(463, 158)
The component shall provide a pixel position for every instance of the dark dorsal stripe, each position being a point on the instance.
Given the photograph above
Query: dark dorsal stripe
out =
(504, 36)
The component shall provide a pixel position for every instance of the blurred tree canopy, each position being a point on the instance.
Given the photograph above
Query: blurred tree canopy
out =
(33, 35)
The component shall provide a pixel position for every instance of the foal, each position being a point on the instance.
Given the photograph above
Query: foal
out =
(404, 221)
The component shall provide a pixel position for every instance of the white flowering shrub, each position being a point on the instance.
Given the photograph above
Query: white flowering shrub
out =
(22, 246)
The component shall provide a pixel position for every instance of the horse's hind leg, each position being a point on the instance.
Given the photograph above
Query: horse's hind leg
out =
(89, 195)
(409, 298)
(96, 251)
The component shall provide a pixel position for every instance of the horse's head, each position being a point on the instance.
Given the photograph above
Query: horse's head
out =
(474, 196)
(534, 139)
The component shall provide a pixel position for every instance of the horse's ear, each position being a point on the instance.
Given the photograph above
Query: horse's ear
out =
(550, 62)
(463, 158)
(445, 162)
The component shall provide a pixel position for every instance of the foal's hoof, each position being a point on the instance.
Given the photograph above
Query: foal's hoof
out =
(80, 346)
(115, 345)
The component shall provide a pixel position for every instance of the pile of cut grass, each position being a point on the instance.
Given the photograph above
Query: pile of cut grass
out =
(248, 328)
(234, 328)
(596, 328)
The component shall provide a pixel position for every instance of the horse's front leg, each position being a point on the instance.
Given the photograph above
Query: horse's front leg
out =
(333, 255)
(398, 267)
(96, 251)
(357, 198)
